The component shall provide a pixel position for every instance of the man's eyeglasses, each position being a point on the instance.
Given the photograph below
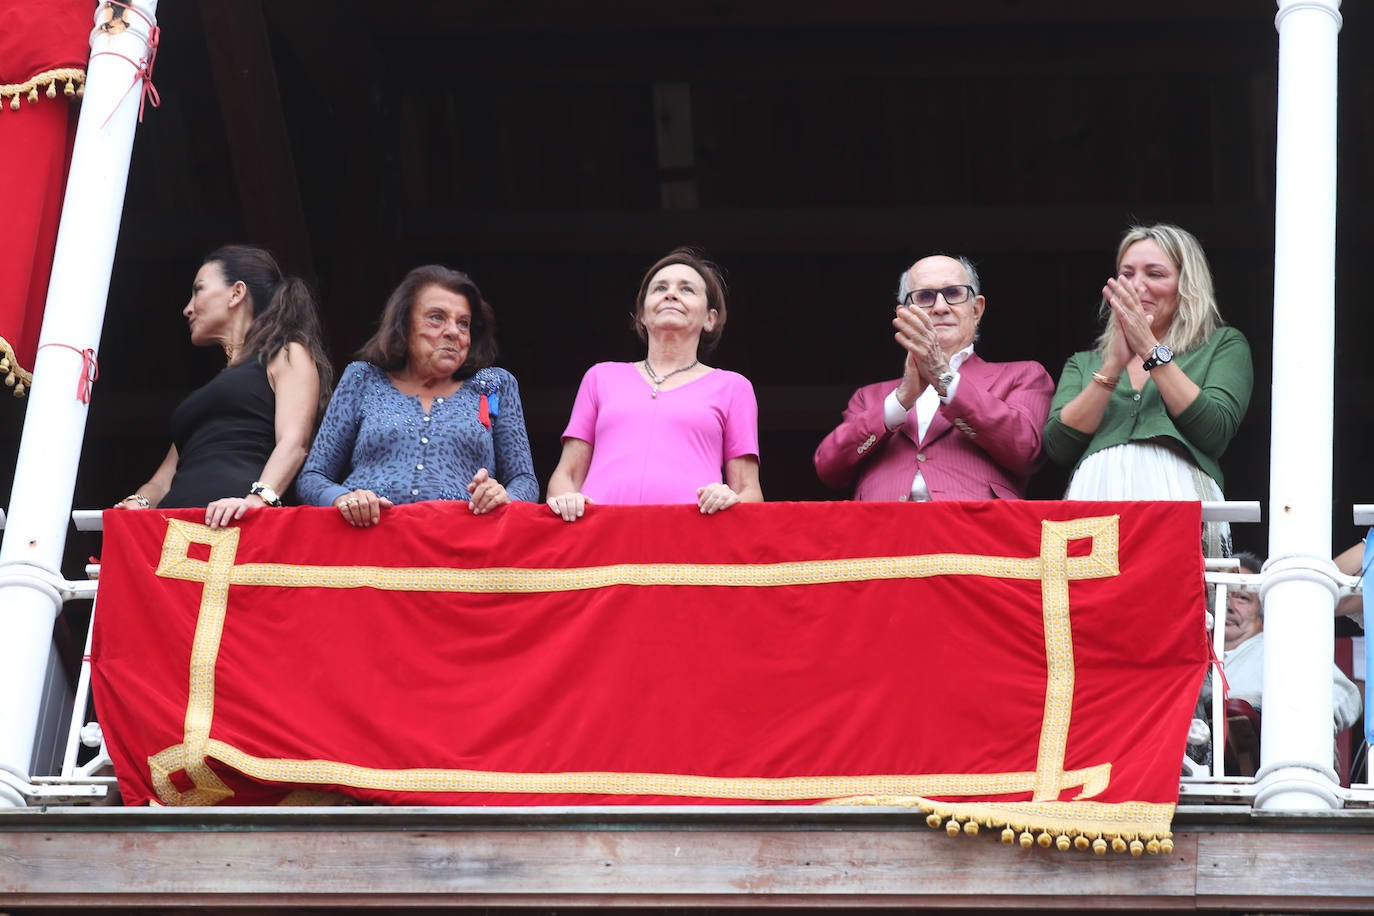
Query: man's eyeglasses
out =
(925, 298)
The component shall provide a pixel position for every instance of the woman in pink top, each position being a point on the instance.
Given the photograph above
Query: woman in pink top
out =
(668, 428)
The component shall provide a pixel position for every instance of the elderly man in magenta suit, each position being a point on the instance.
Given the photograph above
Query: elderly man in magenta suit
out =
(953, 426)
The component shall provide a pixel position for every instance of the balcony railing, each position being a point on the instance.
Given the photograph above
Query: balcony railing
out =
(85, 776)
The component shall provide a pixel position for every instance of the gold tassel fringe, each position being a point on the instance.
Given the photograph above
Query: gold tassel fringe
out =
(16, 376)
(73, 77)
(1134, 827)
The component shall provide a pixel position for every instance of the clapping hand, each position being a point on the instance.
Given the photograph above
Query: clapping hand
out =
(925, 360)
(1134, 337)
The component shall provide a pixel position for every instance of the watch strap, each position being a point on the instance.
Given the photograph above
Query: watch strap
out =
(1159, 355)
(266, 493)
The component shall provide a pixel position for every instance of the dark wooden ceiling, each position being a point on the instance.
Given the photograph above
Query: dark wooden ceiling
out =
(814, 150)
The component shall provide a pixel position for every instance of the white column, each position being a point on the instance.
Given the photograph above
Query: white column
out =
(1298, 595)
(55, 421)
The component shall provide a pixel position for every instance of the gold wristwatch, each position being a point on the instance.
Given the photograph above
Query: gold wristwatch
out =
(266, 493)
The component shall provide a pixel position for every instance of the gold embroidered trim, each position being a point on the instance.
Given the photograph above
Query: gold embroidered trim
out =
(1054, 568)
(16, 376)
(75, 78)
(209, 789)
(784, 788)
(200, 706)
(512, 581)
(1054, 585)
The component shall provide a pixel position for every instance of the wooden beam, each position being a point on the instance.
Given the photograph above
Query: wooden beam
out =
(1060, 229)
(422, 857)
(255, 126)
(558, 14)
(358, 261)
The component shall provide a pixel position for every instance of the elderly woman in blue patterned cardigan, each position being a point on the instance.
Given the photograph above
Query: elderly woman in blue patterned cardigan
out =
(423, 414)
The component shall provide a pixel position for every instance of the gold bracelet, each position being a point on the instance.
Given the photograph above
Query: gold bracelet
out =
(1106, 381)
(136, 497)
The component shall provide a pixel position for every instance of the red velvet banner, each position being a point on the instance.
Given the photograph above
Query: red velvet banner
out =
(1031, 664)
(44, 46)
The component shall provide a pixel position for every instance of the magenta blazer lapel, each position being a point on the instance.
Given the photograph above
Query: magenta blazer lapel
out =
(973, 369)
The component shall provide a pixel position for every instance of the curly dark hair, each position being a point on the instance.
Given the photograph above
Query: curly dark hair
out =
(388, 349)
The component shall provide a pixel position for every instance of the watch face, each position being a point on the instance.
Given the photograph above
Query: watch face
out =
(1163, 353)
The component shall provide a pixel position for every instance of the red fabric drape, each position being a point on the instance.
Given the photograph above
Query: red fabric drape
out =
(44, 46)
(1022, 663)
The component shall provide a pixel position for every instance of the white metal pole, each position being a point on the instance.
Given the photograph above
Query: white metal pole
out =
(55, 420)
(1298, 591)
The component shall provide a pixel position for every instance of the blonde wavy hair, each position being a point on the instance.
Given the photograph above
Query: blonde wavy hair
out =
(1197, 316)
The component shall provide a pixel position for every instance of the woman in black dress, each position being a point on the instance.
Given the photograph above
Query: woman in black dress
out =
(238, 441)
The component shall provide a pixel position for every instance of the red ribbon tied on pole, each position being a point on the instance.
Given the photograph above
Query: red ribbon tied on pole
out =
(90, 371)
(143, 67)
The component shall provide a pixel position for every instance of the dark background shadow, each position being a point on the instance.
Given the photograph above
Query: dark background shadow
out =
(554, 154)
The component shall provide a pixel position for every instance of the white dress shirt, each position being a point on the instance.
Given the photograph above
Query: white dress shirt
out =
(927, 403)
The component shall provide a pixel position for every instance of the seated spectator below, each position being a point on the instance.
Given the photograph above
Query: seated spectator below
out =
(1351, 562)
(1243, 660)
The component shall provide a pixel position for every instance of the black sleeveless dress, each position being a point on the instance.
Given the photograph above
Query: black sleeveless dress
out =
(224, 432)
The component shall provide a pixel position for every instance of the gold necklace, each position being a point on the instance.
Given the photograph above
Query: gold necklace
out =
(660, 379)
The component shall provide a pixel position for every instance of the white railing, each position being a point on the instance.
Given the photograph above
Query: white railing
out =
(1215, 784)
(1199, 782)
(92, 781)
(1363, 793)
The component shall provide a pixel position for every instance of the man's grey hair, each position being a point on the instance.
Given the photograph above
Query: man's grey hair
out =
(904, 285)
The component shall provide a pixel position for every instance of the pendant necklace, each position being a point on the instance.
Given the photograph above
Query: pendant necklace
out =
(660, 379)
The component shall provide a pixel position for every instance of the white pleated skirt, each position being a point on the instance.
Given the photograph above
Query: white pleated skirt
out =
(1146, 470)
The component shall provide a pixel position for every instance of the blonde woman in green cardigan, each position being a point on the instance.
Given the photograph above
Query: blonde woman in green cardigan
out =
(1149, 411)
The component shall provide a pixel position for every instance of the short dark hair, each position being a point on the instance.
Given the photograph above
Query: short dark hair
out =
(1248, 560)
(715, 293)
(389, 347)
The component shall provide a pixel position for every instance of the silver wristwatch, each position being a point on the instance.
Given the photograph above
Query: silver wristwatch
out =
(944, 381)
(1158, 357)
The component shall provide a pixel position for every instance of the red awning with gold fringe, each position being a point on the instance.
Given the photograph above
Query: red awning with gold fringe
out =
(1026, 666)
(44, 47)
